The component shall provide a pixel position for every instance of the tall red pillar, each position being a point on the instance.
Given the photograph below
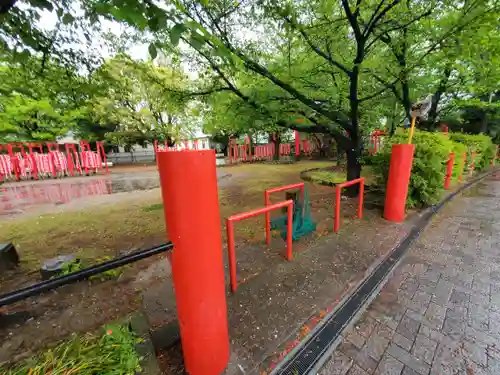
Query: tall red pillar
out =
(189, 189)
(397, 184)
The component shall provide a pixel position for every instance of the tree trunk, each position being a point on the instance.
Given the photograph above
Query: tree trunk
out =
(276, 139)
(353, 153)
(353, 171)
(432, 116)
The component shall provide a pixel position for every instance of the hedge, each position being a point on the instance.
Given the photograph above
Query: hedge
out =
(432, 151)
(479, 143)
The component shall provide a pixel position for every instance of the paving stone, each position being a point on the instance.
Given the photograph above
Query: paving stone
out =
(430, 333)
(375, 346)
(409, 371)
(360, 357)
(389, 366)
(481, 287)
(424, 348)
(442, 292)
(408, 359)
(356, 370)
(435, 315)
(459, 298)
(408, 327)
(365, 326)
(365, 361)
(402, 341)
(475, 352)
(420, 301)
(338, 364)
(354, 337)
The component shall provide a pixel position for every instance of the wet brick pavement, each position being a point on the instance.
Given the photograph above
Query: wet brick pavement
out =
(439, 313)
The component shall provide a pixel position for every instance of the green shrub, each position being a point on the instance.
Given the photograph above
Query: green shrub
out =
(429, 165)
(459, 164)
(479, 143)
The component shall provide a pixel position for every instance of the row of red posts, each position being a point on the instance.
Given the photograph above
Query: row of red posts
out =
(27, 160)
(242, 153)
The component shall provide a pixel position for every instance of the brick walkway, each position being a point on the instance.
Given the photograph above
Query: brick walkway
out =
(440, 311)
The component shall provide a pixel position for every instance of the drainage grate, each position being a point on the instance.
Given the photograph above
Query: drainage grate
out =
(307, 358)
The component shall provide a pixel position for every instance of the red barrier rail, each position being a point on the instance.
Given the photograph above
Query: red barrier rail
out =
(245, 215)
(338, 191)
(267, 202)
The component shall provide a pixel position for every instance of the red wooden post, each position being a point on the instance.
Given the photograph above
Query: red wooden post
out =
(397, 184)
(449, 170)
(193, 225)
(100, 150)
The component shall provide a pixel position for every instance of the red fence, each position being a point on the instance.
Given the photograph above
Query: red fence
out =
(243, 153)
(338, 192)
(245, 215)
(21, 161)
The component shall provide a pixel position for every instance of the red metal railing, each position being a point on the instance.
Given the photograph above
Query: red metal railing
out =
(245, 215)
(267, 202)
(338, 192)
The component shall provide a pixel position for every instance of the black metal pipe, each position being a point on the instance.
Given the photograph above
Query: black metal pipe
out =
(45, 286)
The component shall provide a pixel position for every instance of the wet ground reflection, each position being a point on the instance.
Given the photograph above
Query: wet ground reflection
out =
(16, 198)
(19, 197)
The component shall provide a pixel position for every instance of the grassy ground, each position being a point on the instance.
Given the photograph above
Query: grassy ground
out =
(136, 220)
(337, 176)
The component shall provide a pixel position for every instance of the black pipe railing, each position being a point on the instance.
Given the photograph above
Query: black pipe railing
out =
(45, 286)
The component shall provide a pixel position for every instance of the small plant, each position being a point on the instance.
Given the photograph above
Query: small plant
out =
(112, 353)
(79, 265)
(109, 274)
(71, 267)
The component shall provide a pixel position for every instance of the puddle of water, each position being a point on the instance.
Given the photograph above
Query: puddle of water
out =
(18, 197)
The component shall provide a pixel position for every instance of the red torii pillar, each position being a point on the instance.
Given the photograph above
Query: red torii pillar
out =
(193, 225)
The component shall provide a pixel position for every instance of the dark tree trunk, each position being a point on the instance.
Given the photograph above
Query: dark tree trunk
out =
(353, 153)
(276, 139)
(353, 171)
(430, 123)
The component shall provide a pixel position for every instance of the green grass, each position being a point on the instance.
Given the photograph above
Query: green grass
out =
(112, 353)
(153, 207)
(337, 177)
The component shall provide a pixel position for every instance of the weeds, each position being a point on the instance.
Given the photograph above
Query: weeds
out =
(113, 353)
(79, 265)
